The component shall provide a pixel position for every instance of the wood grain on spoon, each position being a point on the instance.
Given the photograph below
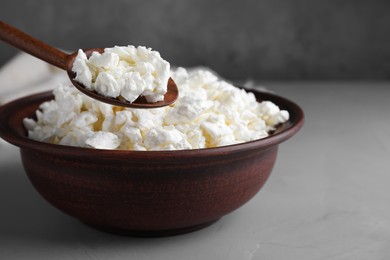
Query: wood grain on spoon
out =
(65, 61)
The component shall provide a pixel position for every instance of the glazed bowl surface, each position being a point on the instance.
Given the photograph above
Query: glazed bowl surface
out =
(146, 193)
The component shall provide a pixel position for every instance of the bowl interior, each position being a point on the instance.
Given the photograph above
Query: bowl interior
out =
(13, 130)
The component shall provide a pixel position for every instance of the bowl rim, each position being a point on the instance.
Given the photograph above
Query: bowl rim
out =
(9, 134)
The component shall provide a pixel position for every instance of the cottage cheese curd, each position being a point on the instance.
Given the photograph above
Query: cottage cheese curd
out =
(125, 71)
(210, 112)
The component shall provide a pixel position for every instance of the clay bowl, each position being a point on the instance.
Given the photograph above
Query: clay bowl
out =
(146, 193)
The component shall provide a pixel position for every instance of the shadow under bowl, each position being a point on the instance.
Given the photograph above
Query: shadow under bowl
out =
(146, 193)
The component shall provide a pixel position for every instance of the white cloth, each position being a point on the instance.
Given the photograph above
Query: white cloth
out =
(25, 74)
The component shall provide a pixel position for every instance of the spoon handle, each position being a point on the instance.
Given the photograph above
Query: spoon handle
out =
(32, 46)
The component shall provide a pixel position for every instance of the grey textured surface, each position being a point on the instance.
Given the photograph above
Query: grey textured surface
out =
(265, 39)
(327, 197)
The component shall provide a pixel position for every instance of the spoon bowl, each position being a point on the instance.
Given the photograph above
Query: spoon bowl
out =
(65, 61)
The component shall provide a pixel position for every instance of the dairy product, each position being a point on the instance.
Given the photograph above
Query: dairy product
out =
(209, 112)
(124, 71)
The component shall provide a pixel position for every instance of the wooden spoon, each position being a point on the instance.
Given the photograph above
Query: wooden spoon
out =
(65, 61)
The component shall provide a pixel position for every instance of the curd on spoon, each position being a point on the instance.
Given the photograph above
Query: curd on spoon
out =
(66, 61)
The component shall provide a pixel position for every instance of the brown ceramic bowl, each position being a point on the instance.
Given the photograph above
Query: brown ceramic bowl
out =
(147, 193)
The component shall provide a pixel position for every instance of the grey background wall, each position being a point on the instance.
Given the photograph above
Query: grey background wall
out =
(257, 39)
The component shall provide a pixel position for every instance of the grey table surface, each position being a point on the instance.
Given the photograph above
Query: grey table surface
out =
(327, 197)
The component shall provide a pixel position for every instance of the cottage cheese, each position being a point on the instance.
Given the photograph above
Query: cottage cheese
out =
(126, 71)
(210, 112)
